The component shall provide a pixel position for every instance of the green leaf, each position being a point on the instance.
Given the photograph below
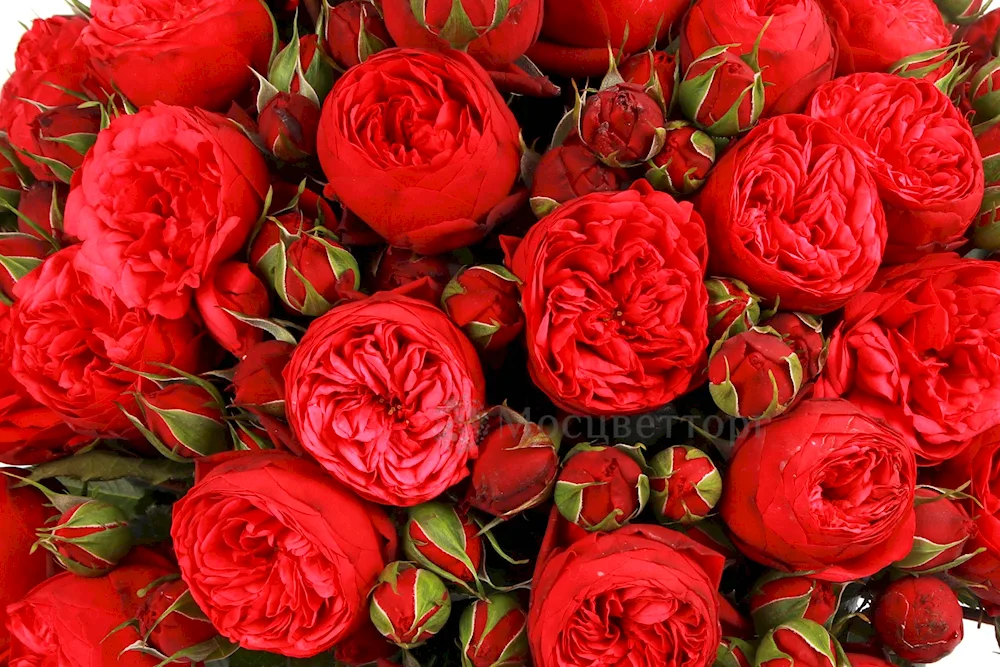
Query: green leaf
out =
(270, 326)
(19, 267)
(97, 465)
(284, 66)
(80, 142)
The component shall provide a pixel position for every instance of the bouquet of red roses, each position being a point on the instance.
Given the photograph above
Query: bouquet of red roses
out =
(497, 333)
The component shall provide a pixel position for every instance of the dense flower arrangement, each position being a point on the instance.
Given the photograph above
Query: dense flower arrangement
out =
(498, 333)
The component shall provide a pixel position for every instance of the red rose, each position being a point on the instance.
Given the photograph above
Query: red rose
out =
(619, 337)
(355, 31)
(601, 488)
(921, 350)
(288, 126)
(685, 161)
(658, 71)
(233, 287)
(82, 382)
(643, 591)
(919, 618)
(68, 620)
(191, 54)
(392, 268)
(791, 210)
(576, 34)
(862, 29)
(485, 302)
(22, 512)
(570, 171)
(384, 393)
(252, 515)
(622, 124)
(921, 152)
(498, 32)
(49, 57)
(826, 489)
(421, 146)
(797, 51)
(164, 197)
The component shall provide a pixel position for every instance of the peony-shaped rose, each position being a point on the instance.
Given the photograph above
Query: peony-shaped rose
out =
(193, 54)
(826, 489)
(791, 210)
(164, 197)
(71, 621)
(921, 152)
(49, 58)
(797, 50)
(921, 350)
(874, 34)
(614, 303)
(278, 525)
(385, 394)
(645, 592)
(421, 146)
(81, 382)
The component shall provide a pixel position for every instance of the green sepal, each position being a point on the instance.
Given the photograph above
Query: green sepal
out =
(444, 529)
(200, 434)
(80, 142)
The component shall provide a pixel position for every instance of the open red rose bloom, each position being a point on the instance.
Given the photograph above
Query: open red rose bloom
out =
(527, 333)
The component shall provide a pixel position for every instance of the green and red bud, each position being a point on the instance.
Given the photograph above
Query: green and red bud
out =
(657, 71)
(778, 597)
(393, 268)
(258, 381)
(804, 334)
(943, 528)
(722, 92)
(684, 485)
(10, 179)
(89, 538)
(984, 95)
(445, 542)
(622, 124)
(947, 68)
(734, 652)
(484, 301)
(233, 288)
(355, 31)
(40, 211)
(494, 633)
(64, 134)
(288, 125)
(732, 308)
(986, 229)
(185, 420)
(517, 465)
(173, 626)
(754, 374)
(569, 171)
(919, 618)
(319, 273)
(681, 167)
(799, 643)
(302, 68)
(409, 605)
(602, 488)
(20, 254)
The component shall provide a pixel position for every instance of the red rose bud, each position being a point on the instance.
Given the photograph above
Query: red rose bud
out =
(10, 182)
(723, 93)
(393, 268)
(684, 485)
(354, 32)
(734, 652)
(602, 488)
(494, 633)
(234, 288)
(943, 527)
(799, 643)
(960, 12)
(984, 94)
(186, 420)
(804, 334)
(919, 618)
(567, 172)
(174, 626)
(258, 383)
(622, 124)
(445, 542)
(863, 660)
(777, 598)
(288, 126)
(248, 437)
(983, 37)
(657, 71)
(485, 302)
(64, 134)
(946, 68)
(986, 229)
(40, 211)
(409, 605)
(517, 466)
(19, 255)
(687, 156)
(303, 68)
(754, 374)
(732, 307)
(319, 273)
(89, 539)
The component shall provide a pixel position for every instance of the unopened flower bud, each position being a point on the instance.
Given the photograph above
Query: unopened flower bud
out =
(485, 302)
(682, 165)
(734, 652)
(258, 383)
(722, 93)
(802, 643)
(919, 618)
(657, 71)
(185, 419)
(319, 273)
(622, 124)
(754, 374)
(684, 485)
(64, 134)
(355, 32)
(732, 307)
(303, 68)
(173, 625)
(393, 268)
(602, 488)
(288, 125)
(943, 528)
(778, 597)
(804, 334)
(445, 542)
(409, 605)
(40, 211)
(236, 289)
(567, 172)
(494, 633)
(89, 539)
